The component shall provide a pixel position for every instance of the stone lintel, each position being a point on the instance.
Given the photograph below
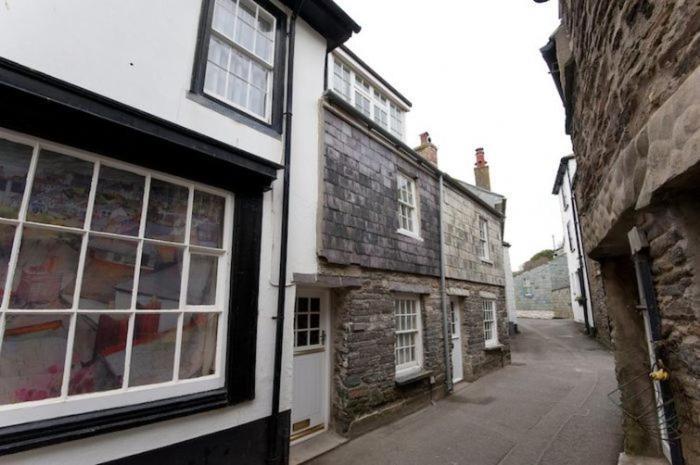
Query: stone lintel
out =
(487, 295)
(317, 280)
(458, 292)
(409, 288)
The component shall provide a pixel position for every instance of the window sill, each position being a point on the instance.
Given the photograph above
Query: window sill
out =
(411, 376)
(237, 115)
(494, 347)
(486, 260)
(410, 234)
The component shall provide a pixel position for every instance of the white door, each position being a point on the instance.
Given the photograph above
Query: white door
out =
(456, 332)
(310, 364)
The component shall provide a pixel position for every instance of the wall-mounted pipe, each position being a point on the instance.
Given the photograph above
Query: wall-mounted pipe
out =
(447, 339)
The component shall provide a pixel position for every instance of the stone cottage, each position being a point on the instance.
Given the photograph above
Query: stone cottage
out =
(409, 295)
(628, 74)
(543, 291)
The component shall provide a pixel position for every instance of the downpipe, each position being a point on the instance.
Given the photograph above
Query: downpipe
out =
(443, 292)
(275, 439)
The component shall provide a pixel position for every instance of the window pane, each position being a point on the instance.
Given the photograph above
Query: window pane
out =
(314, 337)
(218, 52)
(46, 269)
(237, 90)
(118, 201)
(302, 321)
(245, 34)
(98, 353)
(153, 348)
(14, 164)
(240, 64)
(224, 17)
(198, 356)
(302, 339)
(109, 274)
(160, 276)
(201, 287)
(258, 76)
(215, 80)
(32, 357)
(167, 211)
(60, 190)
(257, 101)
(207, 220)
(263, 47)
(7, 236)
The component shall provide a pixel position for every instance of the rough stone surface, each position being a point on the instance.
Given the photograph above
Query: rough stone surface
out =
(636, 136)
(364, 390)
(550, 289)
(601, 318)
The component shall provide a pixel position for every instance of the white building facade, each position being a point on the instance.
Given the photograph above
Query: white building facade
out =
(142, 155)
(578, 274)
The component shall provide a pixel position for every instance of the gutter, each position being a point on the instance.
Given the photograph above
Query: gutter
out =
(274, 438)
(446, 336)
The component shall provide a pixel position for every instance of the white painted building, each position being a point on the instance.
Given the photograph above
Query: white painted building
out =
(145, 143)
(575, 255)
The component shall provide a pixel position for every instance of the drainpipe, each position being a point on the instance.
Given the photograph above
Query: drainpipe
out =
(274, 437)
(579, 252)
(443, 292)
(657, 353)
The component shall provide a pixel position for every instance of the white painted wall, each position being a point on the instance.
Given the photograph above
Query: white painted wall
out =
(567, 216)
(93, 45)
(137, 52)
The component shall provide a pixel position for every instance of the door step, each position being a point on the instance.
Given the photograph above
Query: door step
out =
(313, 447)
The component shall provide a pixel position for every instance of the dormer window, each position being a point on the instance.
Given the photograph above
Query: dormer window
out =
(367, 97)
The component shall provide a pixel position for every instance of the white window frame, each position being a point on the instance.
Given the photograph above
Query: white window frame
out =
(412, 207)
(417, 364)
(527, 287)
(269, 66)
(63, 405)
(484, 252)
(489, 305)
(379, 100)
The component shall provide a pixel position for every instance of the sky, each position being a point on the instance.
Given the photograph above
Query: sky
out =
(475, 76)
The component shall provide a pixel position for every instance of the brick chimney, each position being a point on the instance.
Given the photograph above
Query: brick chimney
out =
(481, 170)
(427, 149)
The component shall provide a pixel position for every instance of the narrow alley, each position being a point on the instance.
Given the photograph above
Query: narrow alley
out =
(550, 407)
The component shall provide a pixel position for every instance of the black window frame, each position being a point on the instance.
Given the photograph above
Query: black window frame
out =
(278, 71)
(44, 107)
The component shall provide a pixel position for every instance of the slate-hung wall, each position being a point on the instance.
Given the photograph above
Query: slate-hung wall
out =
(462, 261)
(360, 205)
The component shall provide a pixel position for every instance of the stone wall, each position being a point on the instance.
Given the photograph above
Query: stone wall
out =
(462, 261)
(365, 393)
(601, 320)
(551, 294)
(360, 204)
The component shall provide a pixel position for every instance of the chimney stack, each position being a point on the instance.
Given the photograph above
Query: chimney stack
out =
(427, 149)
(481, 170)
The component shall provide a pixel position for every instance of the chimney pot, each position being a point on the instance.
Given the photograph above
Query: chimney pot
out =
(427, 149)
(481, 170)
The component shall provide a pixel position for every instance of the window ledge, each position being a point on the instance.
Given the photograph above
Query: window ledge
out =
(496, 347)
(410, 234)
(486, 260)
(411, 376)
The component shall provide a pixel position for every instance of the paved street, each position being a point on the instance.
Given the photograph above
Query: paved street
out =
(550, 407)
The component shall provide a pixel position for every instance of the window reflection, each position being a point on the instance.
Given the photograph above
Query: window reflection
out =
(14, 164)
(167, 211)
(153, 348)
(198, 355)
(118, 201)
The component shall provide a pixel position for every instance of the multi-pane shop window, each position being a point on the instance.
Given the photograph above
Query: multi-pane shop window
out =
(367, 98)
(240, 60)
(490, 330)
(408, 213)
(483, 244)
(307, 323)
(407, 327)
(113, 278)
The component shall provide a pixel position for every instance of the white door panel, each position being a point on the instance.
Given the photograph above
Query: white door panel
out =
(456, 333)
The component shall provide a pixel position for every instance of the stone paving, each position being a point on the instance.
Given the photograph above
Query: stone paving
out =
(550, 407)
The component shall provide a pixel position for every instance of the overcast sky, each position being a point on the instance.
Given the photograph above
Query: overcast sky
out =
(475, 76)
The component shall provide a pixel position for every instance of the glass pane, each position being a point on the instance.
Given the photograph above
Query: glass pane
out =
(118, 202)
(302, 304)
(7, 236)
(218, 52)
(14, 164)
(153, 348)
(98, 353)
(215, 80)
(302, 321)
(224, 17)
(198, 356)
(314, 337)
(60, 190)
(201, 287)
(302, 339)
(32, 357)
(167, 211)
(46, 269)
(245, 34)
(263, 47)
(315, 304)
(258, 76)
(109, 274)
(256, 103)
(159, 281)
(315, 320)
(207, 220)
(236, 91)
(240, 64)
